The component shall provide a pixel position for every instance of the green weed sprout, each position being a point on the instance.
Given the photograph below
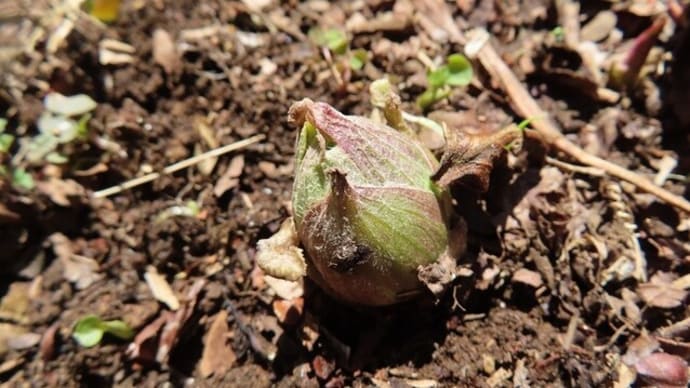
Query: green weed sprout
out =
(90, 329)
(457, 71)
(63, 121)
(338, 43)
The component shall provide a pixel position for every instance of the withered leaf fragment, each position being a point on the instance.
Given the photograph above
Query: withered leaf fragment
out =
(469, 158)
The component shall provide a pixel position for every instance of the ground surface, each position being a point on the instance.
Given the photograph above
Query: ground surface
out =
(553, 290)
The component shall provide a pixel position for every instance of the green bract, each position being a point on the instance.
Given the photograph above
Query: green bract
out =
(365, 208)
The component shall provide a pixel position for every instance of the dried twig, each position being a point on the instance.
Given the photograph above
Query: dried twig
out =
(574, 168)
(550, 133)
(177, 166)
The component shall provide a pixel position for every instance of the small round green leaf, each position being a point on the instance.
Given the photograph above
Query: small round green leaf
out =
(332, 38)
(88, 331)
(460, 70)
(358, 59)
(6, 141)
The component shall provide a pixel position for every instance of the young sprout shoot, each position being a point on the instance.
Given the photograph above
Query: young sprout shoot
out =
(457, 71)
(338, 43)
(90, 329)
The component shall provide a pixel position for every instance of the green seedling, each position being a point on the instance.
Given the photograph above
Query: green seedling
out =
(63, 121)
(89, 330)
(6, 139)
(338, 43)
(522, 126)
(558, 33)
(457, 71)
(22, 179)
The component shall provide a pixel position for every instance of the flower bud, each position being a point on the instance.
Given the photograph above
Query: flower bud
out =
(365, 208)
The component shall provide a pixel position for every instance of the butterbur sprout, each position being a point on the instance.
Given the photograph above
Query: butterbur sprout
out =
(365, 208)
(373, 223)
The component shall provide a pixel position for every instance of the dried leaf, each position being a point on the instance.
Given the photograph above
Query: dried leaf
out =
(439, 275)
(115, 52)
(257, 5)
(469, 158)
(24, 341)
(230, 177)
(663, 368)
(288, 312)
(7, 332)
(626, 376)
(80, 270)
(682, 283)
(309, 331)
(421, 383)
(145, 344)
(639, 348)
(164, 51)
(499, 378)
(285, 289)
(660, 292)
(160, 288)
(59, 191)
(15, 303)
(11, 364)
(599, 27)
(280, 256)
(175, 322)
(47, 347)
(206, 133)
(218, 356)
(530, 278)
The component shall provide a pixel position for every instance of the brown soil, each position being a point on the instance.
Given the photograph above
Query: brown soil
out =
(492, 328)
